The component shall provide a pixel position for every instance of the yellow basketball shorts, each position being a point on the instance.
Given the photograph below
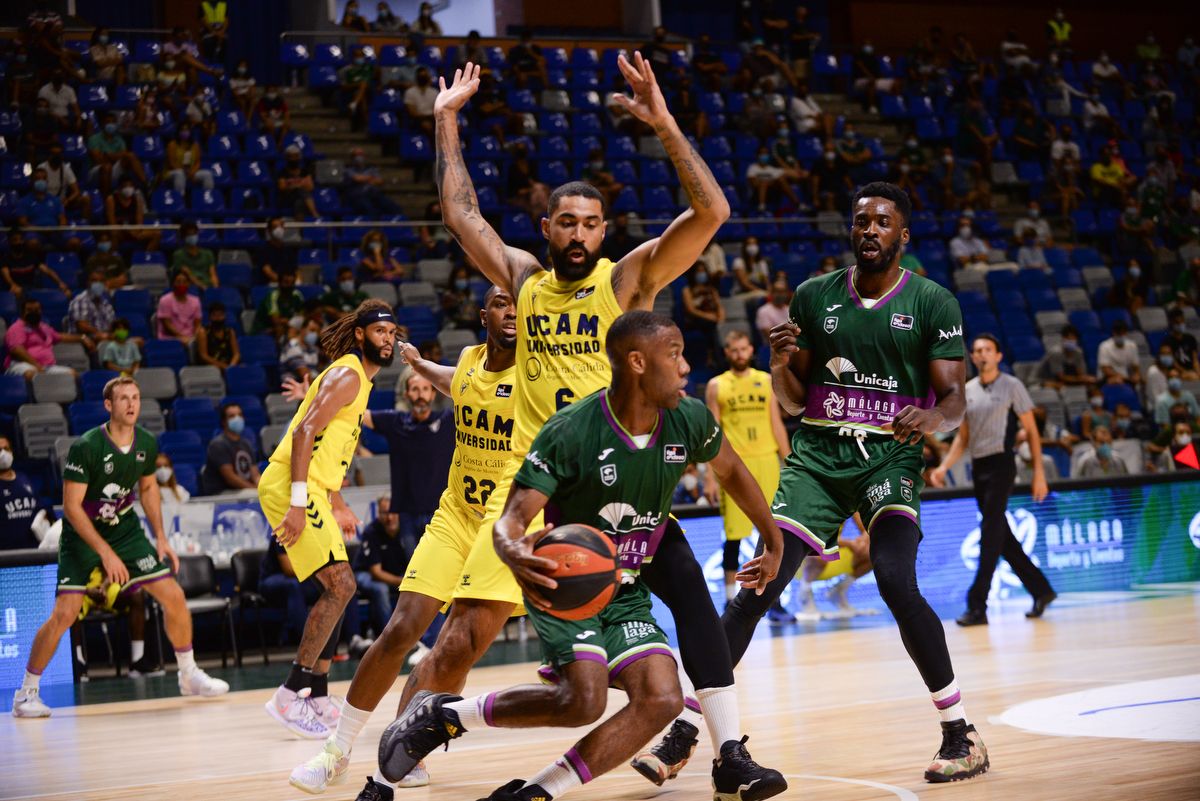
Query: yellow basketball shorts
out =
(484, 577)
(321, 541)
(437, 563)
(765, 470)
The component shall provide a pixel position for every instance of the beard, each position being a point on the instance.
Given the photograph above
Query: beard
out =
(739, 364)
(881, 262)
(375, 354)
(569, 270)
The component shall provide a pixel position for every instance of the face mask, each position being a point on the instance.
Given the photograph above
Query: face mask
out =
(780, 299)
(596, 165)
(110, 128)
(22, 58)
(1097, 402)
(1166, 360)
(1123, 423)
(911, 143)
(948, 159)
(237, 424)
(191, 240)
(277, 232)
(1175, 384)
(1135, 272)
(1119, 341)
(751, 250)
(104, 247)
(1104, 451)
(904, 168)
(850, 136)
(126, 191)
(783, 133)
(242, 70)
(120, 334)
(688, 482)
(461, 284)
(830, 155)
(965, 232)
(296, 322)
(272, 95)
(1035, 213)
(1131, 211)
(6, 459)
(1179, 328)
(701, 278)
(764, 159)
(180, 290)
(1182, 440)
(39, 185)
(347, 286)
(310, 338)
(359, 161)
(376, 246)
(1070, 344)
(358, 62)
(163, 474)
(868, 49)
(97, 288)
(169, 65)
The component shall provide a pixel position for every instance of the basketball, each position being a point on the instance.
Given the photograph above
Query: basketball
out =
(587, 573)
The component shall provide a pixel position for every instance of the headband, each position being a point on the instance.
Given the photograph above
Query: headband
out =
(374, 316)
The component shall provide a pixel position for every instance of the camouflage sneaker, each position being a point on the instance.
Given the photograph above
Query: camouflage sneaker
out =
(961, 756)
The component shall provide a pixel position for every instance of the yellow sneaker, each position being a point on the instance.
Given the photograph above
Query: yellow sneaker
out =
(326, 768)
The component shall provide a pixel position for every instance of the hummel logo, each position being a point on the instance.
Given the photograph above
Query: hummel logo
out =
(834, 306)
(604, 454)
(107, 456)
(778, 506)
(716, 430)
(583, 635)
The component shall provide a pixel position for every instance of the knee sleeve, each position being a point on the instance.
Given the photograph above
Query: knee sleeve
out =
(331, 646)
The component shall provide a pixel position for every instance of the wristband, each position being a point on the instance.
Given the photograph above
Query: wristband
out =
(300, 493)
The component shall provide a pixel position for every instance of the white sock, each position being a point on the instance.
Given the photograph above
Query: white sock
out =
(691, 707)
(731, 591)
(474, 713)
(139, 649)
(349, 725)
(804, 593)
(378, 778)
(720, 705)
(557, 778)
(948, 702)
(32, 681)
(186, 660)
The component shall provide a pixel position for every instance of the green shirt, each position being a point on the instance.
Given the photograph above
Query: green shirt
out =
(103, 143)
(277, 304)
(343, 301)
(199, 264)
(110, 475)
(123, 354)
(594, 472)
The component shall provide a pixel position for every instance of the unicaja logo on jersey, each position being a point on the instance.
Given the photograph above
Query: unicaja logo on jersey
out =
(838, 365)
(615, 513)
(844, 371)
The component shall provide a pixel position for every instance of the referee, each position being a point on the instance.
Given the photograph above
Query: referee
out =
(995, 402)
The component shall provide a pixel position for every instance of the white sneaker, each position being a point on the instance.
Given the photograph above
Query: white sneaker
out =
(328, 709)
(27, 703)
(326, 768)
(417, 777)
(197, 682)
(296, 713)
(420, 652)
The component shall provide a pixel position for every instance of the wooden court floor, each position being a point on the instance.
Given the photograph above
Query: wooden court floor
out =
(843, 714)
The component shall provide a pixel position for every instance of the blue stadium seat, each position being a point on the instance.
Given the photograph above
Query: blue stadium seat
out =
(184, 447)
(227, 293)
(147, 148)
(167, 203)
(130, 302)
(1120, 393)
(555, 173)
(415, 147)
(146, 51)
(383, 123)
(230, 276)
(165, 353)
(194, 414)
(517, 226)
(65, 265)
(586, 58)
(328, 55)
(260, 147)
(223, 147)
(93, 381)
(93, 97)
(231, 121)
(207, 202)
(258, 349)
(82, 416)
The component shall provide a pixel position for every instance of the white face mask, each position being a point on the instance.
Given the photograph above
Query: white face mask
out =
(1183, 440)
(751, 250)
(965, 232)
(688, 482)
(6, 459)
(163, 474)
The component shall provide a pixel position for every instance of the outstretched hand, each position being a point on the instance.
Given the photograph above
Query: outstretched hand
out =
(454, 97)
(647, 103)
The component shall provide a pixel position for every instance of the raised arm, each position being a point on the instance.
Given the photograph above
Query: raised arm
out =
(439, 375)
(504, 266)
(651, 266)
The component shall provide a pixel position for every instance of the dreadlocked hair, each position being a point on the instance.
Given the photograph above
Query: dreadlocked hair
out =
(337, 339)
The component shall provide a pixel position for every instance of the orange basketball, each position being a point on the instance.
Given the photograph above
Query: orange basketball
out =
(587, 573)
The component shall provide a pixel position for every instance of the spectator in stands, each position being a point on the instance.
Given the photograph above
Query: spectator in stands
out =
(214, 30)
(1111, 179)
(524, 190)
(181, 167)
(1097, 120)
(1149, 51)
(342, 297)
(418, 101)
(1161, 172)
(273, 114)
(764, 178)
(659, 55)
(597, 174)
(281, 305)
(1187, 285)
(277, 257)
(1097, 416)
(953, 179)
(1183, 346)
(179, 313)
(375, 261)
(425, 24)
(1118, 358)
(119, 352)
(702, 309)
(619, 240)
(110, 157)
(903, 176)
(197, 263)
(1175, 395)
(148, 118)
(1064, 186)
(91, 311)
(1107, 74)
(1032, 136)
(243, 88)
(19, 504)
(41, 208)
(775, 311)
(363, 193)
(352, 20)
(20, 80)
(109, 261)
(1064, 146)
(829, 176)
(1101, 462)
(216, 343)
(802, 40)
(174, 495)
(710, 68)
(525, 61)
(977, 135)
(171, 80)
(200, 114)
(1126, 426)
(300, 354)
(751, 270)
(807, 115)
(127, 208)
(295, 184)
(1156, 373)
(30, 344)
(1015, 53)
(381, 563)
(64, 105)
(184, 52)
(1052, 434)
(459, 304)
(1058, 34)
(1179, 422)
(24, 266)
(1030, 255)
(764, 70)
(230, 464)
(869, 80)
(1135, 232)
(968, 249)
(1129, 293)
(688, 113)
(355, 80)
(62, 184)
(713, 258)
(388, 22)
(107, 62)
(1066, 365)
(434, 241)
(1034, 221)
(854, 153)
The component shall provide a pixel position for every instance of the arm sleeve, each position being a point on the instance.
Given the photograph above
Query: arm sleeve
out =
(945, 336)
(549, 459)
(79, 463)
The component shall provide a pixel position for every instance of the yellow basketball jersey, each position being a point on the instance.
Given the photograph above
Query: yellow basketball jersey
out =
(560, 345)
(483, 427)
(334, 447)
(745, 404)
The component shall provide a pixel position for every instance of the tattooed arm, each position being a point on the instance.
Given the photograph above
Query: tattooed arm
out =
(504, 266)
(648, 268)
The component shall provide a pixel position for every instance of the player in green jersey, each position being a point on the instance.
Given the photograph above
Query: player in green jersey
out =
(873, 359)
(611, 461)
(101, 529)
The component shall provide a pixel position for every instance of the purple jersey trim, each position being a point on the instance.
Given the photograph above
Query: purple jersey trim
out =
(891, 293)
(580, 767)
(619, 430)
(629, 660)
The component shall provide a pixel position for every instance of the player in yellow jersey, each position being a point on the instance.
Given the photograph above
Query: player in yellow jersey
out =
(743, 403)
(299, 494)
(481, 387)
(563, 317)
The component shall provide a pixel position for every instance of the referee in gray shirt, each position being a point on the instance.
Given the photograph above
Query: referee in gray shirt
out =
(996, 401)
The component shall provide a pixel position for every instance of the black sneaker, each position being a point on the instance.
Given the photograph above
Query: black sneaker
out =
(375, 792)
(669, 755)
(737, 777)
(972, 617)
(517, 791)
(145, 667)
(425, 726)
(961, 756)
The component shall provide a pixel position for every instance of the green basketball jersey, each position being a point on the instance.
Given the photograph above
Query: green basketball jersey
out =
(595, 473)
(110, 475)
(869, 363)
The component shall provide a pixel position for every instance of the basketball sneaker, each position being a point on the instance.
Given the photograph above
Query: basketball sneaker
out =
(197, 682)
(328, 709)
(425, 726)
(27, 703)
(417, 777)
(326, 768)
(777, 615)
(294, 711)
(961, 756)
(517, 790)
(420, 652)
(374, 791)
(737, 777)
(146, 667)
(669, 755)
